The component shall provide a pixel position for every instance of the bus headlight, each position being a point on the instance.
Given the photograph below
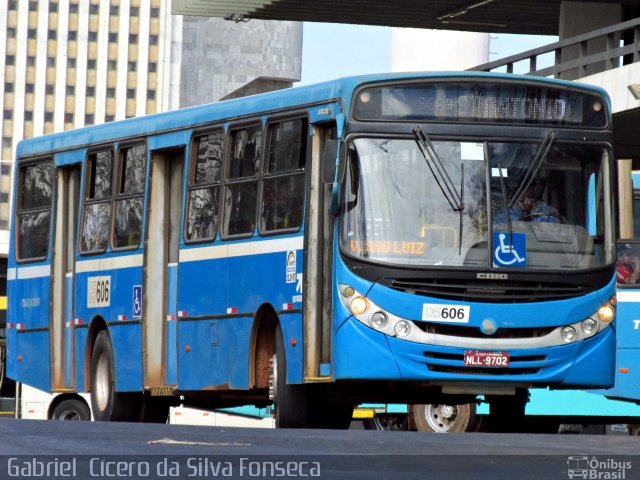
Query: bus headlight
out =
(589, 326)
(606, 313)
(569, 334)
(375, 317)
(378, 320)
(402, 328)
(358, 305)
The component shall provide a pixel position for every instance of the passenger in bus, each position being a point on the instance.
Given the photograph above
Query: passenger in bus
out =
(628, 267)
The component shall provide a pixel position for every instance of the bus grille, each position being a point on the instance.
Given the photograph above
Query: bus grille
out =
(474, 332)
(482, 371)
(487, 292)
(520, 365)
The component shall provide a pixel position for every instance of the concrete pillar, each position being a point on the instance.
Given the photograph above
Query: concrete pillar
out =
(437, 50)
(582, 17)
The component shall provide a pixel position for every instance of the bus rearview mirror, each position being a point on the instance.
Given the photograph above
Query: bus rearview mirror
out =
(329, 161)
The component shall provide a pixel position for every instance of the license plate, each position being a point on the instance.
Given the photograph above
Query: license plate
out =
(474, 358)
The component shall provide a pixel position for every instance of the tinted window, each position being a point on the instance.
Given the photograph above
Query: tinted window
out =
(34, 212)
(130, 197)
(96, 217)
(204, 187)
(283, 181)
(241, 187)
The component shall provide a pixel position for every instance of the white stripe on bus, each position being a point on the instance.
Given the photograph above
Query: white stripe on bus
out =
(110, 263)
(241, 249)
(190, 255)
(28, 272)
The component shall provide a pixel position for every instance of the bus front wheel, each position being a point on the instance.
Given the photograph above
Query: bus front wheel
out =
(440, 418)
(291, 401)
(106, 403)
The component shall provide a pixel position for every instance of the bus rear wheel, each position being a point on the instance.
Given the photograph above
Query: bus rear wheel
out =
(291, 401)
(106, 403)
(71, 409)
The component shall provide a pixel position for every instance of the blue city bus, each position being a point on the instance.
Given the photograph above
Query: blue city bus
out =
(407, 238)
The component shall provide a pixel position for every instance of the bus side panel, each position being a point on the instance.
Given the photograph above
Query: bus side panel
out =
(202, 290)
(202, 286)
(33, 366)
(203, 361)
(117, 309)
(172, 327)
(81, 332)
(127, 352)
(274, 277)
(30, 351)
(292, 330)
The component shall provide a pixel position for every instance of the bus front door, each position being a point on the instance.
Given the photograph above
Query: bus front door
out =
(61, 329)
(162, 239)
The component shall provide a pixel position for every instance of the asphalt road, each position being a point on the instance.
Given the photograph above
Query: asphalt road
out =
(55, 450)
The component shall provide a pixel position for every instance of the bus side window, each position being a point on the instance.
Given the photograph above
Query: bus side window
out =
(96, 217)
(204, 187)
(130, 196)
(35, 199)
(241, 186)
(283, 181)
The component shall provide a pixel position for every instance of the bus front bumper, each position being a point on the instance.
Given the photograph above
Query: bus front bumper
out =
(363, 353)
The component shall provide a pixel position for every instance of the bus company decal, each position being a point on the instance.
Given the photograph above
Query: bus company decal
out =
(291, 266)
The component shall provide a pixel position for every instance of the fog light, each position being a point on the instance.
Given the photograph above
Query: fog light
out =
(348, 292)
(569, 334)
(378, 320)
(589, 326)
(358, 305)
(402, 328)
(606, 313)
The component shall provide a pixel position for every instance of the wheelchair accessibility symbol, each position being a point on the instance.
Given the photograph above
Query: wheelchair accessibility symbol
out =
(137, 301)
(510, 249)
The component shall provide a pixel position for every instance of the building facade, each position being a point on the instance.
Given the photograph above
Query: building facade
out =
(69, 63)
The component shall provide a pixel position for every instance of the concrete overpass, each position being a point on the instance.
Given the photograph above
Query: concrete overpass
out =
(504, 16)
(599, 40)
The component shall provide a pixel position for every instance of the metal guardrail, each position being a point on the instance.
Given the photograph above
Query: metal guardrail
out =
(614, 46)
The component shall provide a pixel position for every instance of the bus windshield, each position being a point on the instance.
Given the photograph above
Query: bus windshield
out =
(476, 204)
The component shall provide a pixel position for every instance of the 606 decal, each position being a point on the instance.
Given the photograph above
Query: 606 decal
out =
(98, 292)
(434, 312)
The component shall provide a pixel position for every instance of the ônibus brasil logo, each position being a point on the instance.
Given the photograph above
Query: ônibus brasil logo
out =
(597, 468)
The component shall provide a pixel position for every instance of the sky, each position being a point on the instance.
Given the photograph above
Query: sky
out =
(332, 50)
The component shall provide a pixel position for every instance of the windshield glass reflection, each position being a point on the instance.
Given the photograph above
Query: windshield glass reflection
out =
(544, 199)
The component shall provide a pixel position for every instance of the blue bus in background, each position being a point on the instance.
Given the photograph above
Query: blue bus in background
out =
(403, 238)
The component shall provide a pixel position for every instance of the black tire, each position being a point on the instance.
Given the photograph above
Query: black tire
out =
(386, 421)
(71, 409)
(291, 401)
(107, 404)
(442, 418)
(507, 412)
(327, 414)
(154, 409)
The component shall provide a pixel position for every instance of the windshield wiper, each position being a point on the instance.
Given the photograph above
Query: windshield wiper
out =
(507, 209)
(443, 180)
(533, 168)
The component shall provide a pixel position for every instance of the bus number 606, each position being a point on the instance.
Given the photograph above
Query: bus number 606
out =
(98, 292)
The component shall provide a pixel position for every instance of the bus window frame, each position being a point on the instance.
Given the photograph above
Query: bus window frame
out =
(226, 181)
(265, 175)
(85, 200)
(17, 211)
(118, 196)
(190, 184)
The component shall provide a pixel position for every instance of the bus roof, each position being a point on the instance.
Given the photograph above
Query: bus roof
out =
(201, 115)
